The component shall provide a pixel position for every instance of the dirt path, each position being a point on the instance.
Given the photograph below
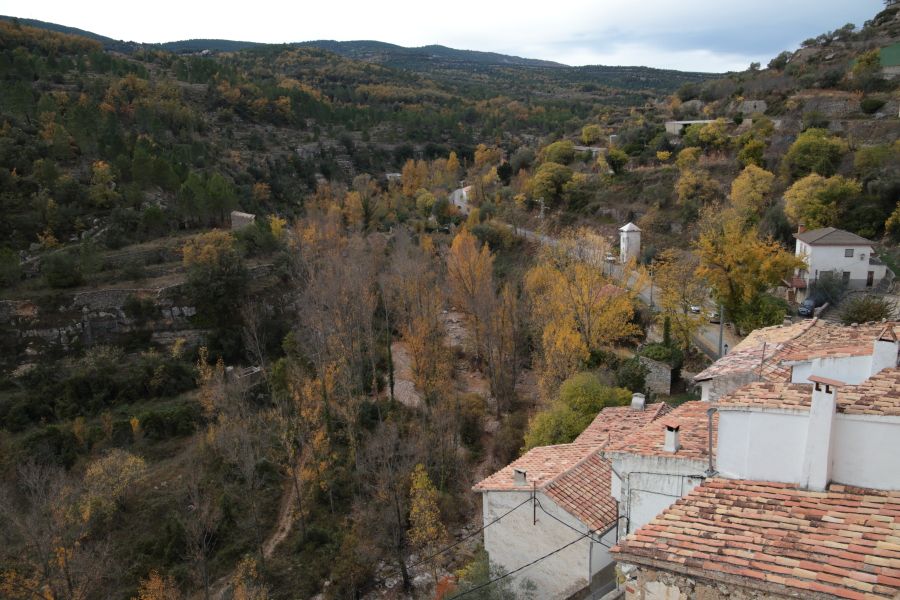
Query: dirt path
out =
(283, 526)
(404, 388)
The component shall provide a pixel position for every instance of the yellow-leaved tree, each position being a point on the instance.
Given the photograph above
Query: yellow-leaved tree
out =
(678, 289)
(470, 271)
(157, 587)
(742, 268)
(576, 307)
(107, 481)
(751, 192)
(427, 532)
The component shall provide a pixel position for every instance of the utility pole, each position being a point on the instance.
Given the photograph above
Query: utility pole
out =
(721, 329)
(651, 287)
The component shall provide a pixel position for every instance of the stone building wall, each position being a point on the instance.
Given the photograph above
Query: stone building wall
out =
(645, 583)
(659, 376)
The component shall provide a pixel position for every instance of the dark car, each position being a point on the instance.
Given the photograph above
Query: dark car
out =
(808, 307)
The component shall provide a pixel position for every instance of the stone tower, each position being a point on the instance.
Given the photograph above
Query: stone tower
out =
(629, 242)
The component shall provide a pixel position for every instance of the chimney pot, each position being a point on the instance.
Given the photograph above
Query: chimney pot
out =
(801, 228)
(672, 443)
(817, 458)
(638, 401)
(519, 477)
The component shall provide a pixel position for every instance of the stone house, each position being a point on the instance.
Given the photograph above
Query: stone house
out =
(791, 353)
(806, 501)
(239, 220)
(830, 250)
(551, 495)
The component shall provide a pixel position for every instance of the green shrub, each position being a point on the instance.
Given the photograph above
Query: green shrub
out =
(61, 270)
(870, 105)
(863, 309)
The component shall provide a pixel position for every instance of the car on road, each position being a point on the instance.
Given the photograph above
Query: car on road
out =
(695, 308)
(714, 317)
(808, 307)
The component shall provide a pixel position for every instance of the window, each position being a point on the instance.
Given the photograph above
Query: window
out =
(848, 253)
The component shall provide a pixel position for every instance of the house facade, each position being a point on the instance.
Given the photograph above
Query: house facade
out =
(804, 501)
(844, 254)
(553, 495)
(794, 353)
(659, 463)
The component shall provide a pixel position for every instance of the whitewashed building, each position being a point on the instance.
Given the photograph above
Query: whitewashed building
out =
(805, 502)
(845, 254)
(661, 462)
(551, 495)
(793, 353)
(629, 242)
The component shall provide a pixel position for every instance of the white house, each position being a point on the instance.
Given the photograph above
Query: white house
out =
(805, 502)
(793, 353)
(629, 242)
(550, 496)
(661, 462)
(830, 250)
(813, 434)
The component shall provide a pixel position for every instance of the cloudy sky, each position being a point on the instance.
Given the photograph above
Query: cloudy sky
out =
(696, 35)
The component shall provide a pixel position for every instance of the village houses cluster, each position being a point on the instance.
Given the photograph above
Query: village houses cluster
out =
(782, 481)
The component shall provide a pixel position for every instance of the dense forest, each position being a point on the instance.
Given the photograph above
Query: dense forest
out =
(300, 406)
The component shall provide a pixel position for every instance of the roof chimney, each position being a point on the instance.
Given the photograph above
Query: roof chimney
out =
(638, 401)
(672, 444)
(801, 228)
(817, 457)
(519, 477)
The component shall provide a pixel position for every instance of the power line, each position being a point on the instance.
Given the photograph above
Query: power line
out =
(463, 539)
(537, 560)
(590, 532)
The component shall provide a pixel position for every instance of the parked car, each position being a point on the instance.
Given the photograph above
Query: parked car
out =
(714, 316)
(808, 307)
(695, 308)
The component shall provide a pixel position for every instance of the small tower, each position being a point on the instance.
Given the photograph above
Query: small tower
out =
(629, 242)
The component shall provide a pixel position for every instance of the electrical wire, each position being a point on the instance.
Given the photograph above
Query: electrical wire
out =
(505, 575)
(461, 540)
(590, 532)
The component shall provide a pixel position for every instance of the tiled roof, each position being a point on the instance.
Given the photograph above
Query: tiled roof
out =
(574, 475)
(613, 422)
(769, 394)
(830, 236)
(541, 466)
(583, 491)
(802, 341)
(693, 422)
(878, 395)
(842, 543)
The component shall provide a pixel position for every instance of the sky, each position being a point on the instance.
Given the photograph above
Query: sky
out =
(689, 35)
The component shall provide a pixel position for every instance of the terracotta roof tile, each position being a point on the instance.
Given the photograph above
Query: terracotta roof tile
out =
(613, 422)
(693, 422)
(769, 350)
(878, 395)
(844, 542)
(584, 492)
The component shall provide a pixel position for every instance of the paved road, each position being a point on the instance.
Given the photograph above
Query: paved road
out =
(707, 339)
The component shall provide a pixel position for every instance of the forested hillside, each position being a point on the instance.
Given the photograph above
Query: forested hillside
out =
(299, 406)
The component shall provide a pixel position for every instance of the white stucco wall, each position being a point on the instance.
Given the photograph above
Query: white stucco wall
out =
(629, 245)
(822, 259)
(866, 451)
(517, 540)
(768, 446)
(851, 370)
(650, 484)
